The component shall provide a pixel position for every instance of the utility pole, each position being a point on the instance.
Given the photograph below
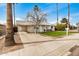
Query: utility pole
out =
(14, 13)
(68, 15)
(68, 23)
(57, 11)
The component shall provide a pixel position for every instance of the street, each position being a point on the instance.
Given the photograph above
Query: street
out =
(38, 45)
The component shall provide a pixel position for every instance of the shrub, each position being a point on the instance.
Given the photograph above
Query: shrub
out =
(15, 29)
(60, 27)
(73, 27)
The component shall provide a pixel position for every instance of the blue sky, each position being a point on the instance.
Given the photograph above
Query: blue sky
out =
(49, 8)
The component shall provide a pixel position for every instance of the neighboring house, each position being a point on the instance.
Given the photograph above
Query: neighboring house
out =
(29, 26)
(78, 27)
(2, 29)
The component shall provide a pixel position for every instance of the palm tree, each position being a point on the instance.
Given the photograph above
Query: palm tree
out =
(9, 38)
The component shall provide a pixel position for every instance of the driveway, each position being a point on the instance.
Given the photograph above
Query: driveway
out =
(37, 45)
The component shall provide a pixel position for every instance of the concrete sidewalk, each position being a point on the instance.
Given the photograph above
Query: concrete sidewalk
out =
(72, 36)
(32, 37)
(37, 45)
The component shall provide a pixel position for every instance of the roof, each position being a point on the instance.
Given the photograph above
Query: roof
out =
(78, 23)
(1, 25)
(30, 23)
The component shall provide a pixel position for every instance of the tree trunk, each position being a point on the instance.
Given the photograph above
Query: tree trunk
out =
(9, 39)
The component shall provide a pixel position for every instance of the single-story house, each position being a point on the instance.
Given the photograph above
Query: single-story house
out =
(29, 26)
(2, 29)
(78, 27)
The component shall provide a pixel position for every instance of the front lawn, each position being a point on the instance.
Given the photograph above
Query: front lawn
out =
(57, 33)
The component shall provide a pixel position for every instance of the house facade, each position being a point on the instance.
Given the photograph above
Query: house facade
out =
(78, 27)
(2, 29)
(36, 21)
(29, 26)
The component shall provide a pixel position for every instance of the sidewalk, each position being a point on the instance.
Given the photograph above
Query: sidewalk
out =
(72, 36)
(32, 37)
(37, 45)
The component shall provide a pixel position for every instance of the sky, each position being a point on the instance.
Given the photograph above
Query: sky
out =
(21, 10)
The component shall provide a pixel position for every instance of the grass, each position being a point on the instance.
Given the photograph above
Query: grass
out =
(57, 33)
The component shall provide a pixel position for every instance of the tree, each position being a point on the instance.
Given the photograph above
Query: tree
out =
(37, 17)
(60, 27)
(64, 20)
(9, 38)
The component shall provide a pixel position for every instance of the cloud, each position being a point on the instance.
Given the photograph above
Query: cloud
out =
(19, 19)
(52, 22)
(2, 22)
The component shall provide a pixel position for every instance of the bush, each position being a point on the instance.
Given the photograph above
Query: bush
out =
(60, 27)
(73, 27)
(15, 29)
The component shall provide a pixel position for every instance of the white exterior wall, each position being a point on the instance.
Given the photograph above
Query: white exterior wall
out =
(53, 29)
(41, 28)
(78, 27)
(22, 28)
(19, 28)
(48, 27)
(31, 28)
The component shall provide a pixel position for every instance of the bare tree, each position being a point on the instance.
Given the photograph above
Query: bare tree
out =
(37, 17)
(9, 39)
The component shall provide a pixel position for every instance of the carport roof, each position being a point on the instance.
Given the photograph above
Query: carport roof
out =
(30, 23)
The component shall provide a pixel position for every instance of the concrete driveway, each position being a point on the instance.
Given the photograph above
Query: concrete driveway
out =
(37, 45)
